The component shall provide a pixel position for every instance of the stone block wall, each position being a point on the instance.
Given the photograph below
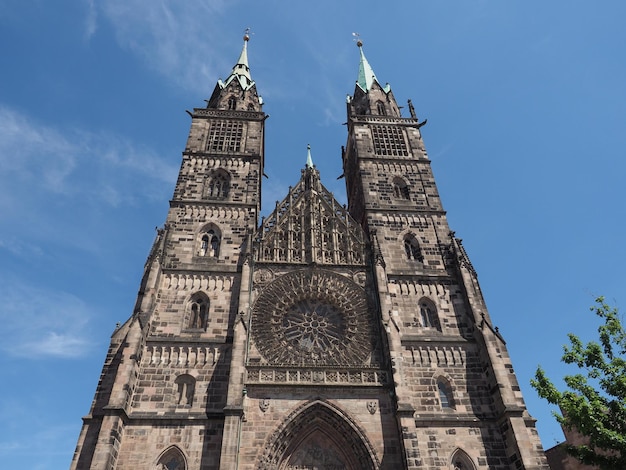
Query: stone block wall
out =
(144, 443)
(370, 411)
(171, 315)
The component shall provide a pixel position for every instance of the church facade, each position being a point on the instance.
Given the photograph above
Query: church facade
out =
(318, 337)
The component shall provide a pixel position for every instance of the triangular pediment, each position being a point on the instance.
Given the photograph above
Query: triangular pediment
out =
(310, 226)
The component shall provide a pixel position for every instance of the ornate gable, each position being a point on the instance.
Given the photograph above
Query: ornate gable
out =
(310, 226)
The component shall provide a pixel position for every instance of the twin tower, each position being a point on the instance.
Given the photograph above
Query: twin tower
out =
(320, 337)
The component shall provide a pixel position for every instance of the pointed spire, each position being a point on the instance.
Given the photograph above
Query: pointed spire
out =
(366, 73)
(241, 70)
(309, 160)
(367, 77)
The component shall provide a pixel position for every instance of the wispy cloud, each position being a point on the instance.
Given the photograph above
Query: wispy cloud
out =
(91, 20)
(37, 159)
(175, 38)
(40, 323)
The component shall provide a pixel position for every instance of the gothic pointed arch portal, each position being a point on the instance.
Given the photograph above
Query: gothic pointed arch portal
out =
(318, 436)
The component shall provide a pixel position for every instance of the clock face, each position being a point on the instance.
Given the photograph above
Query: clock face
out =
(312, 317)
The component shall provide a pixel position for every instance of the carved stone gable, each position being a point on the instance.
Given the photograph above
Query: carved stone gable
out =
(310, 226)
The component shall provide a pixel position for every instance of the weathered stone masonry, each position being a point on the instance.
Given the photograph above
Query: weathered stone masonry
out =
(320, 337)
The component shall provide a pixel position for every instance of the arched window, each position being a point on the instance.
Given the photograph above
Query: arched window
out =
(251, 107)
(232, 103)
(185, 388)
(209, 243)
(412, 248)
(461, 461)
(380, 108)
(218, 185)
(428, 315)
(400, 189)
(446, 399)
(172, 459)
(198, 311)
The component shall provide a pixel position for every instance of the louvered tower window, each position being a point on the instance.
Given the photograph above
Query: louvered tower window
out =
(225, 136)
(389, 140)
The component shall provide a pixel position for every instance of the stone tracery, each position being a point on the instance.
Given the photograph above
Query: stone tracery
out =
(324, 321)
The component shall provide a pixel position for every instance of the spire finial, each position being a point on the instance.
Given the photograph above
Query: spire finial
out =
(357, 39)
(246, 34)
(309, 160)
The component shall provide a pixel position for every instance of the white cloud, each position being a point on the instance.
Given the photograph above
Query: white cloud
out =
(40, 323)
(174, 38)
(36, 160)
(91, 20)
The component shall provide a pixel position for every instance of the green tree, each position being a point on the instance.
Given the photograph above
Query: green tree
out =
(595, 402)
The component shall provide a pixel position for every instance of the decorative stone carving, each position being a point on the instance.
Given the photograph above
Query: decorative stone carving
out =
(333, 442)
(324, 320)
(372, 406)
(314, 456)
(310, 226)
(360, 277)
(263, 276)
(264, 404)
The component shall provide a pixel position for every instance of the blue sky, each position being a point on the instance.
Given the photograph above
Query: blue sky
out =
(526, 109)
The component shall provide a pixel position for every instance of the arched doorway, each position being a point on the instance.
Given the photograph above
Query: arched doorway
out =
(318, 435)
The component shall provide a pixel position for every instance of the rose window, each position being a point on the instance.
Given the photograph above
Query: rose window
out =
(312, 317)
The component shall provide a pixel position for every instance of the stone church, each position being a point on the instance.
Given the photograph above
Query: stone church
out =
(319, 337)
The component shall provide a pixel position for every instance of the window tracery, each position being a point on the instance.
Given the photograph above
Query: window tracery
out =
(428, 315)
(209, 243)
(380, 108)
(198, 311)
(461, 461)
(172, 459)
(400, 189)
(412, 248)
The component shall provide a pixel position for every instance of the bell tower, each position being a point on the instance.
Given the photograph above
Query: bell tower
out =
(458, 403)
(164, 388)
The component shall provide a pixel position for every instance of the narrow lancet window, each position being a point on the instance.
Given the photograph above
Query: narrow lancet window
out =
(412, 249)
(198, 315)
(400, 189)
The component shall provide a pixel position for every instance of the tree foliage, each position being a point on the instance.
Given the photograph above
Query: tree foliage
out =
(595, 402)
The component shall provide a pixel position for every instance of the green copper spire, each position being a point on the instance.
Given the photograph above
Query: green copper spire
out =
(367, 77)
(241, 71)
(309, 160)
(366, 74)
